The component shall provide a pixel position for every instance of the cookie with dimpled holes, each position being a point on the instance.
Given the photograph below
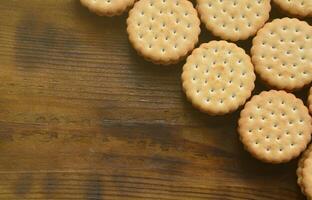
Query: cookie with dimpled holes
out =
(234, 19)
(282, 54)
(218, 77)
(163, 31)
(275, 126)
(108, 7)
(302, 8)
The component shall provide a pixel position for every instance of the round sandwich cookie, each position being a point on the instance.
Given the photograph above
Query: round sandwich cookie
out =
(282, 53)
(310, 100)
(275, 126)
(163, 31)
(218, 77)
(108, 7)
(234, 19)
(305, 155)
(300, 8)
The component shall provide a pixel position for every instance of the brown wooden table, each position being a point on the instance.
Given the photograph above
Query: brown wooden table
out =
(83, 117)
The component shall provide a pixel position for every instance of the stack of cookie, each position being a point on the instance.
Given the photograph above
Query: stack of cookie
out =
(218, 77)
(304, 173)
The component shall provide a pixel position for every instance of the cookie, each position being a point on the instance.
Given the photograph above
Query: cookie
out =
(163, 31)
(282, 53)
(275, 126)
(310, 100)
(300, 166)
(218, 77)
(233, 19)
(304, 173)
(301, 8)
(108, 7)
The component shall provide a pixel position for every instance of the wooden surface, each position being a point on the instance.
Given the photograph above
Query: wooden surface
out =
(83, 117)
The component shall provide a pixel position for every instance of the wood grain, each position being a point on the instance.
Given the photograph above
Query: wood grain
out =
(83, 117)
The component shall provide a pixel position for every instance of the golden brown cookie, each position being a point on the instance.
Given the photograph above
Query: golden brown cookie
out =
(310, 100)
(304, 173)
(218, 77)
(301, 8)
(108, 7)
(282, 53)
(233, 19)
(305, 155)
(275, 126)
(163, 31)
